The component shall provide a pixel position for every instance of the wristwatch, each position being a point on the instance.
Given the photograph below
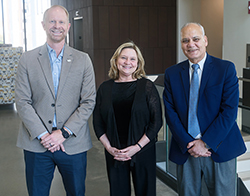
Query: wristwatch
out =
(65, 133)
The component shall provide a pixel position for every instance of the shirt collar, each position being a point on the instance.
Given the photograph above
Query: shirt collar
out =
(51, 50)
(201, 63)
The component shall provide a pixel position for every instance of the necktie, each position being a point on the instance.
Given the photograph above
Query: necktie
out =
(193, 124)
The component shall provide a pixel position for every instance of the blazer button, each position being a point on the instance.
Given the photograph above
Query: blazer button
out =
(53, 105)
(50, 121)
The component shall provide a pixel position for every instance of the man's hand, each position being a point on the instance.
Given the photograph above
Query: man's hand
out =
(54, 141)
(197, 148)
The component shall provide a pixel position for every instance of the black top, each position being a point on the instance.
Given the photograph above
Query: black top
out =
(146, 114)
(123, 94)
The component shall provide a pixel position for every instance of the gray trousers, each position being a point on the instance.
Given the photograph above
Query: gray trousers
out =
(220, 178)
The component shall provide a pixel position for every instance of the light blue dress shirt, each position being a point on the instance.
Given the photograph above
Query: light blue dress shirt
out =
(56, 65)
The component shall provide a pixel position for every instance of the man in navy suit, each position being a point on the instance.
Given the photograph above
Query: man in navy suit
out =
(211, 153)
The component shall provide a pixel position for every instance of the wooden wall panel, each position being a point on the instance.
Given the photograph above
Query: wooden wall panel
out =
(96, 27)
(163, 33)
(99, 66)
(128, 2)
(107, 55)
(118, 3)
(108, 2)
(98, 2)
(124, 24)
(153, 27)
(169, 58)
(134, 24)
(158, 60)
(148, 55)
(89, 28)
(104, 27)
(143, 26)
(71, 39)
(143, 2)
(151, 24)
(167, 3)
(114, 20)
(171, 33)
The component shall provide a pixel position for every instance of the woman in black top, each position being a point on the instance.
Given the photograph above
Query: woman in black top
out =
(127, 118)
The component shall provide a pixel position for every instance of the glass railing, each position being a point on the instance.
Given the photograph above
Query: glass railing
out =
(166, 170)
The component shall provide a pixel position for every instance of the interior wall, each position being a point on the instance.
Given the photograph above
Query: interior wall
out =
(187, 11)
(236, 32)
(209, 13)
(82, 9)
(151, 24)
(212, 19)
(226, 24)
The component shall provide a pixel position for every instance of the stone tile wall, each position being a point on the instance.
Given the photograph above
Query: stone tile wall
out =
(9, 58)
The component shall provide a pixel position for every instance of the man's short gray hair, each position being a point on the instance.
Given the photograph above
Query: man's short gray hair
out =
(202, 28)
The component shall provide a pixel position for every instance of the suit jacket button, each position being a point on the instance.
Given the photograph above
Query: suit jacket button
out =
(53, 105)
(50, 121)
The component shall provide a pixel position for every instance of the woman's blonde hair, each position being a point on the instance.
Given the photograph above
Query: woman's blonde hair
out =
(139, 72)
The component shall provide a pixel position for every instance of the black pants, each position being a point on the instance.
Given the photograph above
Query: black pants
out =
(143, 174)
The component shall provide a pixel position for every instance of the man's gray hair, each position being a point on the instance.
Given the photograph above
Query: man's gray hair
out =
(202, 28)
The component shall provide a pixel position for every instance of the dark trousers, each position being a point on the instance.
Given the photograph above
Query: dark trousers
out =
(40, 169)
(143, 174)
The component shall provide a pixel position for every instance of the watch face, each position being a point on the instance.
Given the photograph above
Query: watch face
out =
(65, 133)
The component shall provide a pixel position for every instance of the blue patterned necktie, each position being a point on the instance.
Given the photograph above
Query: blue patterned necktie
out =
(193, 124)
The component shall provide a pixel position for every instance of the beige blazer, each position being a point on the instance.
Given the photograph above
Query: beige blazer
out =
(36, 102)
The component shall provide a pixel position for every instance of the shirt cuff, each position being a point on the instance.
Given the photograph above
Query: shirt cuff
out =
(39, 137)
(69, 130)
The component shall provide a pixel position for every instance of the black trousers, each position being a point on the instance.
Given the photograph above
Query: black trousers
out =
(143, 174)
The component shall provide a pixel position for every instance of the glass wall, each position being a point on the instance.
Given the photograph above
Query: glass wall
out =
(21, 22)
(166, 170)
(35, 35)
(13, 22)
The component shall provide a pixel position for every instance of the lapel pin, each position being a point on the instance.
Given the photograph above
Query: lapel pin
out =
(68, 60)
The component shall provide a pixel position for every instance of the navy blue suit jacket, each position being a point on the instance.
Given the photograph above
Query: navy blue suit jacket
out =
(217, 109)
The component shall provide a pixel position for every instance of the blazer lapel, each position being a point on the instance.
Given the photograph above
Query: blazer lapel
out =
(207, 71)
(46, 67)
(66, 65)
(185, 79)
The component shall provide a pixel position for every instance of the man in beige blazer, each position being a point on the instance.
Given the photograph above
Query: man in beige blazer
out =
(55, 95)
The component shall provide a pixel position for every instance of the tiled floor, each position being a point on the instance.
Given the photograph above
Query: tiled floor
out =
(12, 179)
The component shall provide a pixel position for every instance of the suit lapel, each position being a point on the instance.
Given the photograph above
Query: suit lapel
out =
(185, 79)
(46, 68)
(66, 65)
(207, 71)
